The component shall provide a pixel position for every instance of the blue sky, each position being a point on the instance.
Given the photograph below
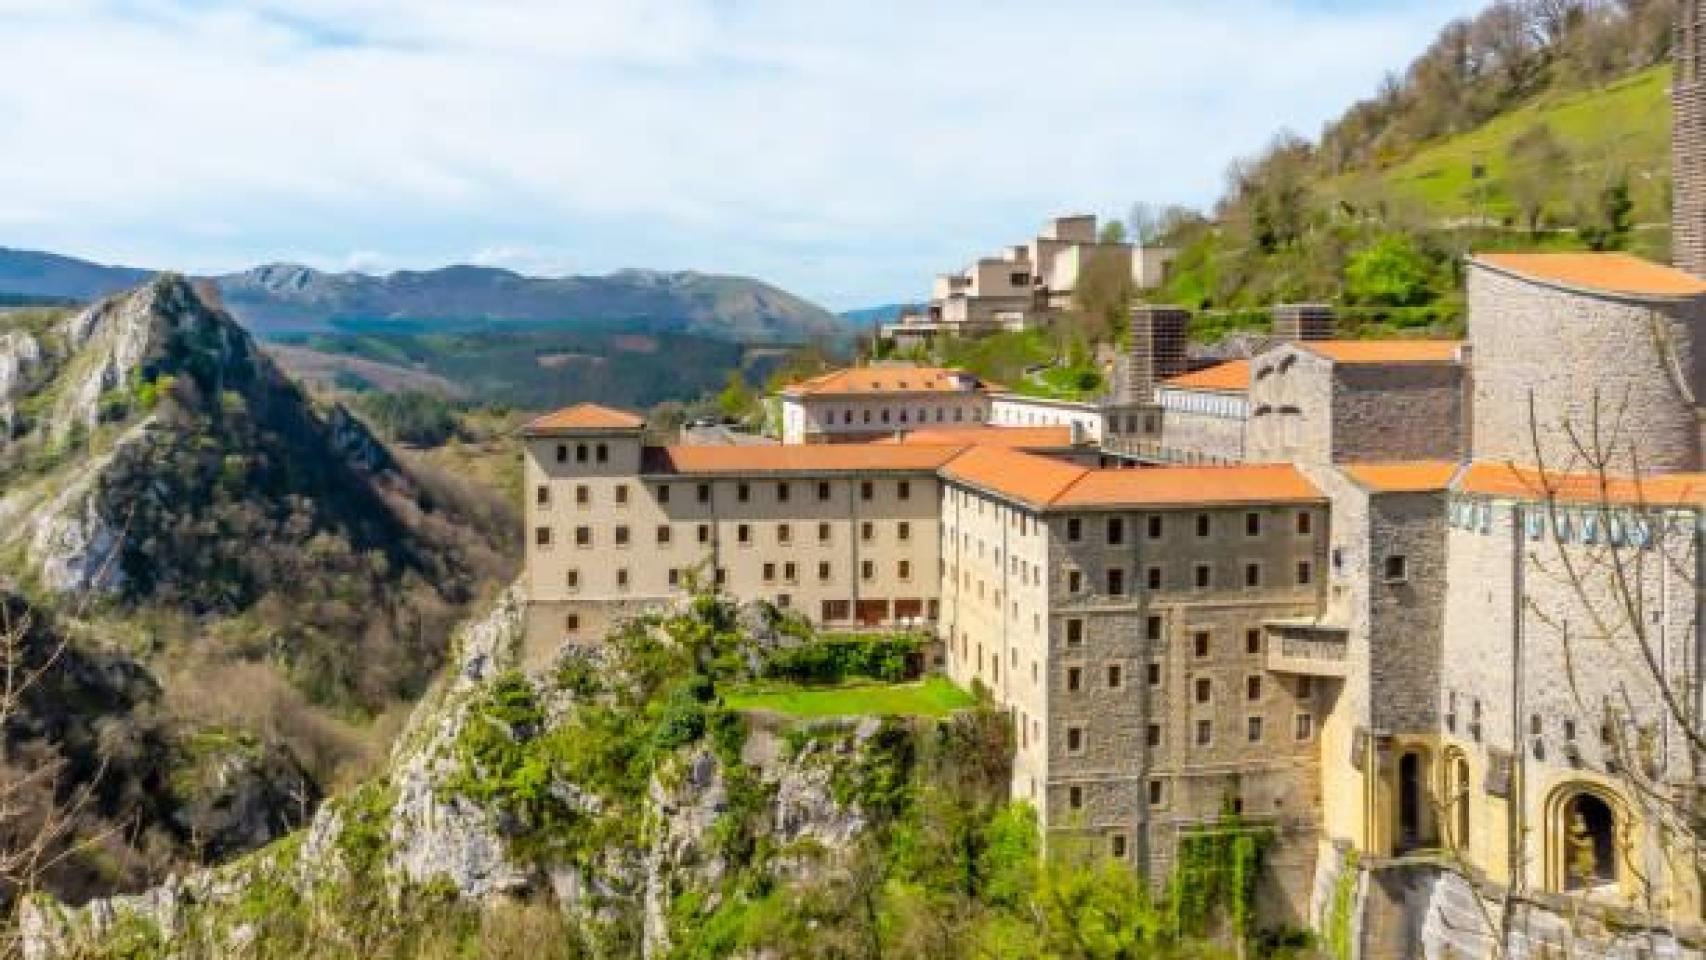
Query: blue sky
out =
(844, 150)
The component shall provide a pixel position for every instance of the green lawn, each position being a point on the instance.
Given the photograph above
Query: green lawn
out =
(931, 697)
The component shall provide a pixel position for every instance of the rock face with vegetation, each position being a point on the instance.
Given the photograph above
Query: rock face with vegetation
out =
(614, 805)
(261, 581)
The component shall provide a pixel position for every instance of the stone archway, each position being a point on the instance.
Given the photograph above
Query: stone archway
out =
(1586, 835)
(1413, 821)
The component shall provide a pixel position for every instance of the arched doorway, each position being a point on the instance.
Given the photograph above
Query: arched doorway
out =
(1589, 842)
(1457, 799)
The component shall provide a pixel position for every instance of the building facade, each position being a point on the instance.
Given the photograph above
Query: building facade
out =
(1688, 132)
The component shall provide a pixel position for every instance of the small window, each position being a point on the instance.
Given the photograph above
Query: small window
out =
(573, 579)
(704, 493)
(1253, 729)
(866, 490)
(867, 531)
(1074, 581)
(1074, 739)
(1116, 846)
(572, 623)
(583, 494)
(1116, 677)
(1074, 631)
(621, 536)
(1153, 735)
(743, 534)
(1204, 576)
(743, 492)
(1305, 727)
(1397, 569)
(903, 531)
(704, 533)
(1155, 674)
(663, 493)
(823, 490)
(1116, 583)
(1252, 641)
(1200, 644)
(1157, 793)
(823, 571)
(1155, 527)
(1153, 578)
(542, 496)
(580, 453)
(663, 535)
(1252, 575)
(904, 568)
(867, 570)
(1116, 531)
(903, 490)
(1305, 523)
(542, 536)
(603, 453)
(562, 453)
(674, 577)
(1253, 687)
(1252, 524)
(1205, 690)
(823, 533)
(782, 493)
(1152, 628)
(1205, 733)
(1305, 573)
(770, 573)
(621, 494)
(1204, 525)
(1074, 679)
(1074, 529)
(622, 579)
(583, 536)
(1075, 797)
(784, 533)
(1306, 688)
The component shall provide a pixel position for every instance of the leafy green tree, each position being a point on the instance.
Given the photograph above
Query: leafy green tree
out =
(737, 398)
(1610, 219)
(1391, 272)
(1535, 159)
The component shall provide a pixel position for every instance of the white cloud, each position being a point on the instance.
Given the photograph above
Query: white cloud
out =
(843, 149)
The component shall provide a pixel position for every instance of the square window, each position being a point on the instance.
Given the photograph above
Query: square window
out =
(542, 536)
(572, 623)
(1397, 569)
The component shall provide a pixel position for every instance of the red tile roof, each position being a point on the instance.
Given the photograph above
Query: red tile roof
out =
(889, 380)
(1045, 482)
(796, 458)
(1600, 272)
(584, 417)
(1232, 376)
(1526, 483)
(1384, 351)
(1419, 476)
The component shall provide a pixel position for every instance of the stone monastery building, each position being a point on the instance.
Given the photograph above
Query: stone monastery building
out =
(1425, 613)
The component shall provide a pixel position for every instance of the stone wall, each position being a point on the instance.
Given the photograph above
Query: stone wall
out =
(1397, 412)
(1689, 140)
(1552, 357)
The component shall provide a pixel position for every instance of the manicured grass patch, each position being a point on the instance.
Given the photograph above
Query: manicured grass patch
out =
(931, 697)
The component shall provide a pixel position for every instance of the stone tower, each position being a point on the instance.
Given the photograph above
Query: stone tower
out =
(1688, 98)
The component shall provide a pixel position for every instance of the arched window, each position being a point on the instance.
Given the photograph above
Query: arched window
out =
(1589, 842)
(1457, 798)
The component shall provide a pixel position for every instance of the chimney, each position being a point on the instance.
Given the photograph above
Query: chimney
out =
(1303, 321)
(1158, 338)
(1688, 140)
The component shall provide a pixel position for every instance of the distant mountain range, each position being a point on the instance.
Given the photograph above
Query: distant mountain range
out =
(286, 298)
(886, 313)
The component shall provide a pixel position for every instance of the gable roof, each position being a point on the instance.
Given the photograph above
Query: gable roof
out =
(1383, 351)
(1494, 479)
(1233, 376)
(1617, 273)
(855, 381)
(582, 418)
(1044, 482)
(795, 458)
(1415, 476)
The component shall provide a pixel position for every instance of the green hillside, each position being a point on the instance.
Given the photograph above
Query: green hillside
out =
(1623, 128)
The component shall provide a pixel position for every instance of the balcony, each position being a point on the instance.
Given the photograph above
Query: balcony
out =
(1306, 648)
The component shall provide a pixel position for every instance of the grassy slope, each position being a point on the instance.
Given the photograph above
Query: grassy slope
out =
(931, 697)
(1625, 125)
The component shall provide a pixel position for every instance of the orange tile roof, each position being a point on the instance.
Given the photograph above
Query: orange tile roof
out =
(1384, 351)
(1526, 483)
(1418, 476)
(1186, 486)
(584, 416)
(1016, 437)
(1233, 376)
(864, 380)
(796, 458)
(1045, 482)
(1603, 272)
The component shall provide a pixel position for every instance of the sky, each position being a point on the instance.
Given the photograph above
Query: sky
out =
(846, 151)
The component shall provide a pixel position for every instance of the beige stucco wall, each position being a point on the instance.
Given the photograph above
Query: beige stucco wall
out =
(814, 419)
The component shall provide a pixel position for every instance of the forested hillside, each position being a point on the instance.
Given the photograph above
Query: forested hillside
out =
(1535, 124)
